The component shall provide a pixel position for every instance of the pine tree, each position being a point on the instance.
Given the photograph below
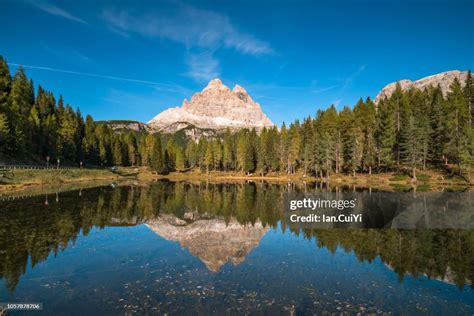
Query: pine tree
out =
(319, 146)
(147, 150)
(261, 152)
(369, 151)
(469, 93)
(245, 154)
(191, 154)
(386, 135)
(89, 142)
(228, 151)
(170, 154)
(4, 133)
(283, 147)
(33, 130)
(353, 151)
(66, 144)
(5, 127)
(157, 162)
(352, 137)
(180, 162)
(20, 98)
(273, 158)
(306, 152)
(294, 143)
(329, 134)
(5, 86)
(117, 152)
(346, 123)
(437, 127)
(79, 135)
(456, 115)
(209, 157)
(132, 149)
(397, 105)
(217, 154)
(411, 147)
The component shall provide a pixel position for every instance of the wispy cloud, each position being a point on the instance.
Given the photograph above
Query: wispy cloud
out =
(57, 11)
(69, 54)
(346, 83)
(201, 32)
(324, 89)
(190, 26)
(350, 79)
(159, 85)
(202, 67)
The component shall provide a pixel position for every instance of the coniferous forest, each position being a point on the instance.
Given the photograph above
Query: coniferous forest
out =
(412, 130)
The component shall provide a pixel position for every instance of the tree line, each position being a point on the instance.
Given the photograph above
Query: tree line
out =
(410, 130)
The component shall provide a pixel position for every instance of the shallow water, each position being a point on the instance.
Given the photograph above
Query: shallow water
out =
(197, 249)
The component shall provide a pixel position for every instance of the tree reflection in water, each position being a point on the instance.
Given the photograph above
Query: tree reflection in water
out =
(33, 228)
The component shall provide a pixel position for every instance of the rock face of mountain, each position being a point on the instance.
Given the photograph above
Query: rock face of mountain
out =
(444, 80)
(214, 241)
(118, 125)
(216, 107)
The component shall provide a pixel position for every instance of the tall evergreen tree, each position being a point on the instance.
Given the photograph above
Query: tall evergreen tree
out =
(117, 152)
(386, 135)
(245, 153)
(456, 115)
(157, 162)
(437, 126)
(294, 143)
(228, 151)
(180, 162)
(20, 98)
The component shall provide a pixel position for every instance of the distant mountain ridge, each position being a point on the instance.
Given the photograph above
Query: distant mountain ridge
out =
(216, 107)
(125, 125)
(443, 79)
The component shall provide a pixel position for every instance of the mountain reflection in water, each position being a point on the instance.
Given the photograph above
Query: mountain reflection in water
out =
(213, 241)
(217, 223)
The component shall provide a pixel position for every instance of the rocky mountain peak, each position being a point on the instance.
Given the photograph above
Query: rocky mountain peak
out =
(215, 85)
(215, 107)
(443, 80)
(238, 89)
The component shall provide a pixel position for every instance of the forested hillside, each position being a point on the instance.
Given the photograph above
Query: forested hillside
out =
(411, 130)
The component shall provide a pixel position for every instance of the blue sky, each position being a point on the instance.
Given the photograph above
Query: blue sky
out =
(133, 59)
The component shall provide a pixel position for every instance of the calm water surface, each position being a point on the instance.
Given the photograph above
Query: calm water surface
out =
(178, 248)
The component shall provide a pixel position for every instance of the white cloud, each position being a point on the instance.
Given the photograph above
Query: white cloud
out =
(57, 11)
(201, 32)
(190, 26)
(202, 67)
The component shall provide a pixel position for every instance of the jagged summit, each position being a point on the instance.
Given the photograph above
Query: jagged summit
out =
(444, 80)
(215, 84)
(215, 107)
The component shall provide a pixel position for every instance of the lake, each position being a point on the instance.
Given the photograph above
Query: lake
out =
(203, 248)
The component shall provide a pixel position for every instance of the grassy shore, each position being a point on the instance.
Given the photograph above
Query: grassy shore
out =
(426, 180)
(26, 179)
(23, 178)
(428, 176)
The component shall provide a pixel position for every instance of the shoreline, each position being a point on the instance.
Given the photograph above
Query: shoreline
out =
(41, 180)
